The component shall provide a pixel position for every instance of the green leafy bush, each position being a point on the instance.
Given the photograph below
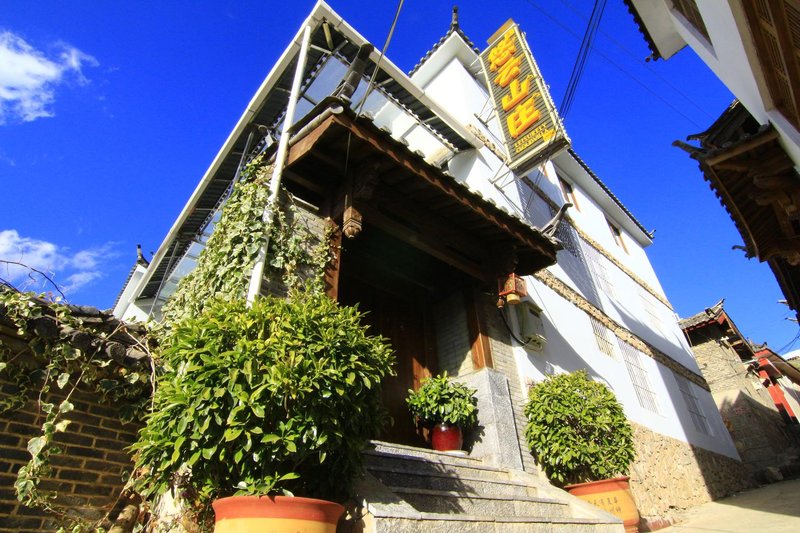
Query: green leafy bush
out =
(577, 430)
(441, 400)
(278, 397)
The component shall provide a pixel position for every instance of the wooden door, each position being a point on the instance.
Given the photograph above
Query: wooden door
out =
(403, 318)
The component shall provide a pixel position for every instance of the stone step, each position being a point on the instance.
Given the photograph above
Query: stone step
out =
(433, 479)
(448, 523)
(438, 501)
(386, 450)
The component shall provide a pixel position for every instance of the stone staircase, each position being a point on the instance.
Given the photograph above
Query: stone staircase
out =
(414, 490)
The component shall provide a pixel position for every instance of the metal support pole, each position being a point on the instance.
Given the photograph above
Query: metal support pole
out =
(277, 171)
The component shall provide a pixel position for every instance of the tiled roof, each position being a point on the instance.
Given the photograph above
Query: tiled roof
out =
(709, 314)
(651, 44)
(454, 28)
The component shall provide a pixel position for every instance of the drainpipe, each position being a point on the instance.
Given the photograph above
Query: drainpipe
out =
(277, 171)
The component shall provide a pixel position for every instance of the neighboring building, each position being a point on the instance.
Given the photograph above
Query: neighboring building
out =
(750, 154)
(437, 218)
(753, 388)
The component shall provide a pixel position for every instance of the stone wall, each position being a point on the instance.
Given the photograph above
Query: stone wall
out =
(88, 476)
(670, 476)
(759, 432)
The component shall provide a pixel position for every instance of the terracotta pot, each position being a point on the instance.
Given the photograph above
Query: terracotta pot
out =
(278, 514)
(446, 437)
(611, 495)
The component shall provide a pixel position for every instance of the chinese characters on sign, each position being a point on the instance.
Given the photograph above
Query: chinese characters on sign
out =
(530, 123)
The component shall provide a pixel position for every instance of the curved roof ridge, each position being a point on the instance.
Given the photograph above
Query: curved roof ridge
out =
(455, 27)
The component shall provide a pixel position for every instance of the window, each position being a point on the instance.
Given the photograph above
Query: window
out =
(604, 337)
(617, 234)
(597, 265)
(567, 236)
(650, 307)
(689, 10)
(638, 375)
(569, 192)
(693, 406)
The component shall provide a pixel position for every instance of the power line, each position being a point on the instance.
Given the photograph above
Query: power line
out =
(645, 64)
(583, 55)
(618, 67)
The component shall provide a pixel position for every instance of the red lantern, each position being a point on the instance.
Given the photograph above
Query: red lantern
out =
(511, 289)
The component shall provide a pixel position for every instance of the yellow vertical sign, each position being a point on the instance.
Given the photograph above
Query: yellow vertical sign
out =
(531, 126)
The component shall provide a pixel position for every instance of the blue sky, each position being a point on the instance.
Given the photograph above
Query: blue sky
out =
(110, 112)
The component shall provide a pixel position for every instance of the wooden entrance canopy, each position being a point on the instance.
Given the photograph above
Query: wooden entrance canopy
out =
(359, 173)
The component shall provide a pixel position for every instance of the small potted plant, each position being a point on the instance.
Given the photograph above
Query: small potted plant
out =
(578, 433)
(445, 406)
(275, 399)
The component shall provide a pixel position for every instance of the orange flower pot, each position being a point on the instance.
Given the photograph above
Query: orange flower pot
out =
(276, 514)
(611, 495)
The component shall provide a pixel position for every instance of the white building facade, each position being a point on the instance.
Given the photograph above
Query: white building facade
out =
(600, 307)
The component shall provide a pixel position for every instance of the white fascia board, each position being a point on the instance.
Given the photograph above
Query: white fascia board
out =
(657, 18)
(453, 47)
(320, 13)
(565, 163)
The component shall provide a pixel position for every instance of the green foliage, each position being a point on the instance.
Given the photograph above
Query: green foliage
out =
(577, 430)
(442, 400)
(278, 397)
(225, 264)
(50, 363)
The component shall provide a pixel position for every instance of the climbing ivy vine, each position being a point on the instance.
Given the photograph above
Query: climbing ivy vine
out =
(225, 265)
(57, 352)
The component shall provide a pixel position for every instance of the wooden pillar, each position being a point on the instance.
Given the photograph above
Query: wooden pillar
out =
(334, 267)
(480, 347)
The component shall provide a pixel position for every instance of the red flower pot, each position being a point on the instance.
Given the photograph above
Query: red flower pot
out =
(446, 437)
(279, 514)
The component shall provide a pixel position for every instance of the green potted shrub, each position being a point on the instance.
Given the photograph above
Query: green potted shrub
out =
(274, 399)
(445, 406)
(578, 433)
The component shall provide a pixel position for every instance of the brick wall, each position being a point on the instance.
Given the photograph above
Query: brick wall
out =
(88, 476)
(452, 335)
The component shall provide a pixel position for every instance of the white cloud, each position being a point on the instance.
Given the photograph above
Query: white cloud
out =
(70, 270)
(28, 78)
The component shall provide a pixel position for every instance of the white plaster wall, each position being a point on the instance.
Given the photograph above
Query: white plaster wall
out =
(571, 343)
(571, 346)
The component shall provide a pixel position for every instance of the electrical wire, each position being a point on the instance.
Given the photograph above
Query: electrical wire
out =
(372, 81)
(645, 64)
(380, 57)
(583, 55)
(618, 67)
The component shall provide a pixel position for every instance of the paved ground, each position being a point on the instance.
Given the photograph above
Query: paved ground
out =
(773, 508)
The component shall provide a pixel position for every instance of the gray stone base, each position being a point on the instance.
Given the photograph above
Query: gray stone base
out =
(494, 440)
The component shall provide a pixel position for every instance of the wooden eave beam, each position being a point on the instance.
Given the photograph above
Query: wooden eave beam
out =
(788, 53)
(732, 207)
(399, 155)
(742, 148)
(421, 241)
